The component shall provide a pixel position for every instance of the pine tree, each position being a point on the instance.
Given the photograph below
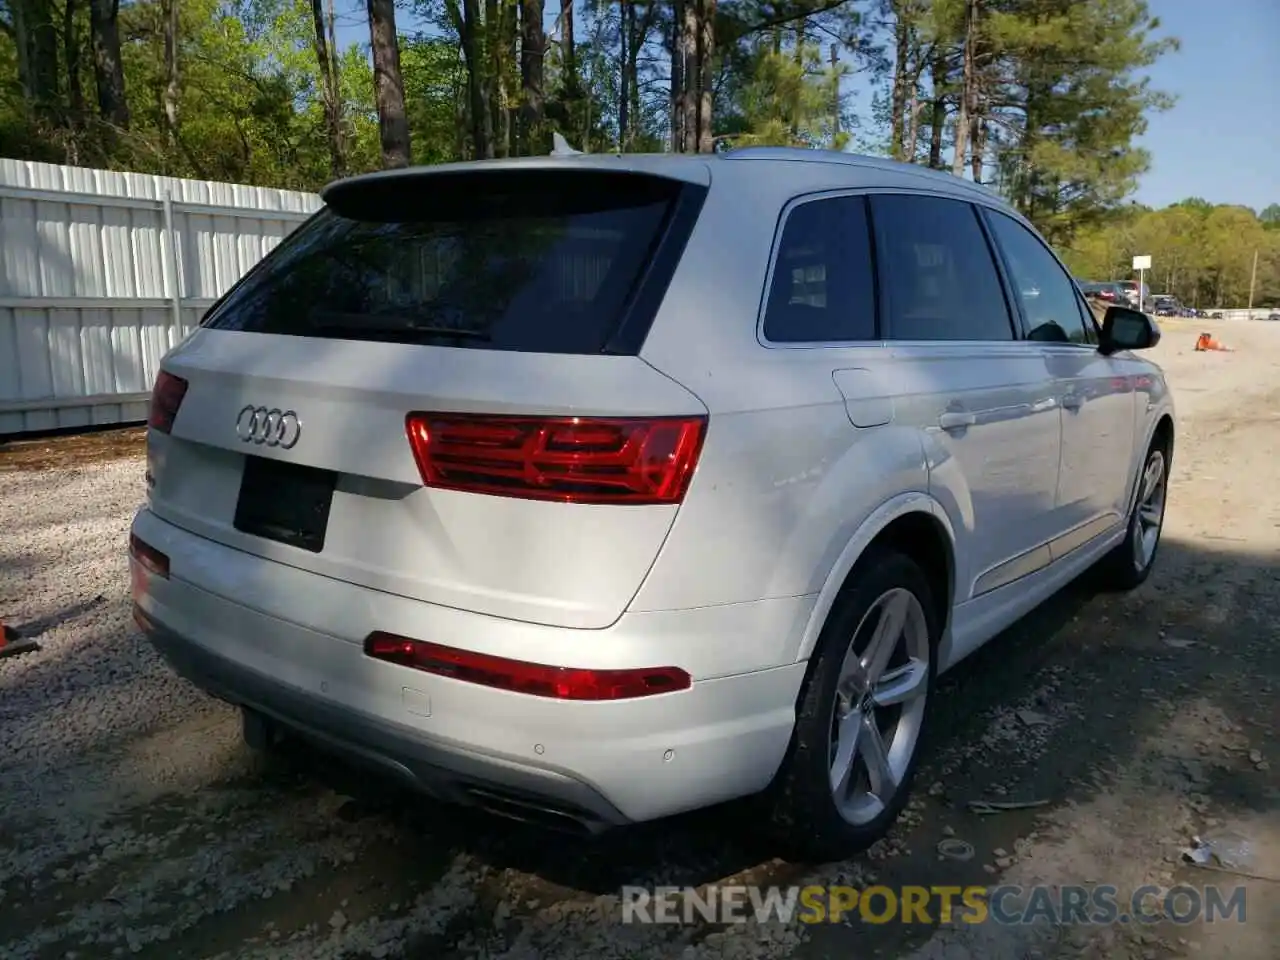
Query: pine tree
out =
(1072, 104)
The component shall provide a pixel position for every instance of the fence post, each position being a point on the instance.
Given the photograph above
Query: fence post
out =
(175, 273)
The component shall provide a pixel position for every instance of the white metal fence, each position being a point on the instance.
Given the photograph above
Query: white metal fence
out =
(101, 273)
(1257, 313)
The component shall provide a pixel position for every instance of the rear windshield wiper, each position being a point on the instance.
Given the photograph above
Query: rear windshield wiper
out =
(372, 323)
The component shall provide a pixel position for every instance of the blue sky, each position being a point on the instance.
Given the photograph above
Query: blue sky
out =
(1221, 141)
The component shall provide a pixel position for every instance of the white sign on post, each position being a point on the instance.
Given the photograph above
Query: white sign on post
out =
(1142, 264)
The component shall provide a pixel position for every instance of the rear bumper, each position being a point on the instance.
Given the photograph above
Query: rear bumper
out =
(592, 764)
(450, 773)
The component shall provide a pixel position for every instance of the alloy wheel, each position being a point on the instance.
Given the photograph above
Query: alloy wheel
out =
(880, 706)
(1150, 510)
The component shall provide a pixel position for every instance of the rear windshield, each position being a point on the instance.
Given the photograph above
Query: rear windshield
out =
(546, 262)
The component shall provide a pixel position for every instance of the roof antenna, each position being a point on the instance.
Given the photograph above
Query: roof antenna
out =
(560, 147)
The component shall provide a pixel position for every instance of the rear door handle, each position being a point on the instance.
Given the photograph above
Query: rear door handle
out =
(956, 421)
(1072, 401)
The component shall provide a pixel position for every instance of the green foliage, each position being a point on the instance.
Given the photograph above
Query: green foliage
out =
(788, 99)
(250, 103)
(1200, 253)
(1056, 85)
(1073, 102)
(435, 94)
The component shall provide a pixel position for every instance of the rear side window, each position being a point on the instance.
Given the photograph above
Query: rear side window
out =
(823, 286)
(938, 278)
(544, 261)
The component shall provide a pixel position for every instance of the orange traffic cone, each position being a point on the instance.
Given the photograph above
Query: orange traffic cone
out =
(11, 644)
(1206, 342)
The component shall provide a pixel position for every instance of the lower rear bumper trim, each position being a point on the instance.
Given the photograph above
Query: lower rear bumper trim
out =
(450, 774)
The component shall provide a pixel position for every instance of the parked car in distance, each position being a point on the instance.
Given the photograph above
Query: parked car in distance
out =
(1109, 291)
(1274, 315)
(1130, 288)
(464, 479)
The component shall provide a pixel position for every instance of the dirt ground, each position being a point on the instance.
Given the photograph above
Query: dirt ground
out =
(73, 449)
(133, 822)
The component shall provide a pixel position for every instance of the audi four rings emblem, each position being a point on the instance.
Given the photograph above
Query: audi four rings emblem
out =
(268, 427)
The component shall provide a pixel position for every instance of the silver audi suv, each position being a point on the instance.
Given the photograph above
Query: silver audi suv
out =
(594, 489)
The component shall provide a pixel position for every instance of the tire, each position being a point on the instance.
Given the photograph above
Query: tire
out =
(803, 812)
(1128, 565)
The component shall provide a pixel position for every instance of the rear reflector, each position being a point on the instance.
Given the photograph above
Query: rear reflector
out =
(145, 562)
(145, 623)
(572, 459)
(166, 398)
(560, 683)
(148, 557)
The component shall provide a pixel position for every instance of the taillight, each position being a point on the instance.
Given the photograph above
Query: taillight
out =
(571, 459)
(166, 398)
(534, 679)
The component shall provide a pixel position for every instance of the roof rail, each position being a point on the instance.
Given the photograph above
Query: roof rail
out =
(806, 155)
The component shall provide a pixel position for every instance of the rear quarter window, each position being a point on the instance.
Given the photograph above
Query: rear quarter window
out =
(546, 262)
(823, 284)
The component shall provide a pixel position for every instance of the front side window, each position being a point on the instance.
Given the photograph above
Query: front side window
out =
(937, 274)
(1050, 301)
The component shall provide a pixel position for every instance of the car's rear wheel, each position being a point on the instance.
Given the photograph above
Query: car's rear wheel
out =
(862, 713)
(1130, 563)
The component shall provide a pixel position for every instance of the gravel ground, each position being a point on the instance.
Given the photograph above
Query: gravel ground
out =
(133, 822)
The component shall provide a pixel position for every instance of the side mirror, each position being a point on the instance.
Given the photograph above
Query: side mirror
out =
(1126, 329)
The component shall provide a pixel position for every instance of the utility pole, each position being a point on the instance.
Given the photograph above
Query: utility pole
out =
(1253, 280)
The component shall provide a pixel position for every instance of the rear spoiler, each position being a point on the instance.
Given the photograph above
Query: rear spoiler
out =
(691, 169)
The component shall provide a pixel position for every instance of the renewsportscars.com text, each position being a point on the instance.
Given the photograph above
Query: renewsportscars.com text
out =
(1098, 904)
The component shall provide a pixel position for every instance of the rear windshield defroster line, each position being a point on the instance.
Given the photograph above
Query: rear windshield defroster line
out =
(548, 261)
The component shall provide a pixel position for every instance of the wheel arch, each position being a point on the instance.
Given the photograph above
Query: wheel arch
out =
(914, 523)
(1162, 428)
